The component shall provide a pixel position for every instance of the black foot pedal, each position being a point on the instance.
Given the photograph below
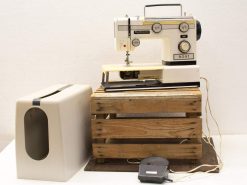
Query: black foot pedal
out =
(154, 170)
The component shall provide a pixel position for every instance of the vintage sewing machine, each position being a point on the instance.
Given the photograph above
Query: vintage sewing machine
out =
(178, 66)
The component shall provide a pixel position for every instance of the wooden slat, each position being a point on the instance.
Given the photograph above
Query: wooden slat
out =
(167, 100)
(147, 128)
(146, 105)
(121, 165)
(170, 151)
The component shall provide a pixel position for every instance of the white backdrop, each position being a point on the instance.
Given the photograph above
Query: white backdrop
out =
(63, 41)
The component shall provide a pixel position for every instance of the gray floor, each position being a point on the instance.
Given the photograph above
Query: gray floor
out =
(4, 141)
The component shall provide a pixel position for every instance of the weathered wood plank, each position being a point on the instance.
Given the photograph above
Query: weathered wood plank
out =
(167, 100)
(146, 105)
(147, 128)
(121, 165)
(170, 151)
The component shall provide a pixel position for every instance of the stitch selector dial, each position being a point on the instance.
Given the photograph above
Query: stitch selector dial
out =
(184, 46)
(183, 27)
(156, 27)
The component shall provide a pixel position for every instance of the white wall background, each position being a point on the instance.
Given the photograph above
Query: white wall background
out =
(44, 42)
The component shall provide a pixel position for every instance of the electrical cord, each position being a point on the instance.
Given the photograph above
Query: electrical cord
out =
(211, 114)
(184, 140)
(206, 138)
(133, 161)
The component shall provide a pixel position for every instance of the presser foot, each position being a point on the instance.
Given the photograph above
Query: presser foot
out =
(127, 61)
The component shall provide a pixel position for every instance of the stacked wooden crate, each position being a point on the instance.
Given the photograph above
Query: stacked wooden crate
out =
(140, 124)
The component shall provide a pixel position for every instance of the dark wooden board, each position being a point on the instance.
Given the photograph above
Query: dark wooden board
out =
(121, 165)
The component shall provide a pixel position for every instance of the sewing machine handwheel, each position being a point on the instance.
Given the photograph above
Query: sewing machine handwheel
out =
(198, 30)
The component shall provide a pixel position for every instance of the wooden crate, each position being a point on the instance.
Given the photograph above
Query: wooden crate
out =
(132, 124)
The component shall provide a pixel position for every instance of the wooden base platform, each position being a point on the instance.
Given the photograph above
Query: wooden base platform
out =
(121, 165)
(138, 124)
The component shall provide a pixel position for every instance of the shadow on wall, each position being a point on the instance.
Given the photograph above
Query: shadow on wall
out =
(4, 141)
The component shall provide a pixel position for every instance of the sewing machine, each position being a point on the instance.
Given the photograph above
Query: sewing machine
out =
(178, 64)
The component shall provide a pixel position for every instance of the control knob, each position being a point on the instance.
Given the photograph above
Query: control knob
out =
(184, 46)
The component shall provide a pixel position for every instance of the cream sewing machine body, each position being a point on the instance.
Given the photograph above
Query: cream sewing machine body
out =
(177, 34)
(178, 63)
